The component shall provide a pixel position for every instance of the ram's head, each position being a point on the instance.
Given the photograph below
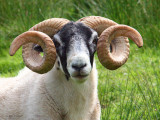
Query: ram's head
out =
(75, 44)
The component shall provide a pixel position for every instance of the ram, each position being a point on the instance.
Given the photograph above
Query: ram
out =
(62, 84)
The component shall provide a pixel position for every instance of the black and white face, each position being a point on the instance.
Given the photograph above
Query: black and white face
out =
(75, 45)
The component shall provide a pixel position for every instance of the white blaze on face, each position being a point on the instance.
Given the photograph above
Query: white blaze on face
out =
(78, 60)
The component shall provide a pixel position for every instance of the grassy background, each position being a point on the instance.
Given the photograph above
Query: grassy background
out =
(132, 91)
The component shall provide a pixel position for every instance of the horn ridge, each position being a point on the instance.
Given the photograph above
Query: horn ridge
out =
(111, 37)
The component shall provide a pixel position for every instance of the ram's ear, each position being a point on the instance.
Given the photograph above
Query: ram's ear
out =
(38, 48)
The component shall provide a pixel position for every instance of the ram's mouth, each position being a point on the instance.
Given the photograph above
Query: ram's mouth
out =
(80, 78)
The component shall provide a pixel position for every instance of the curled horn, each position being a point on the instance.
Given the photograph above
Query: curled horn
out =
(112, 48)
(39, 34)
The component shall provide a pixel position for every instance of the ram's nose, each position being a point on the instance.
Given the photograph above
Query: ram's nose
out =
(78, 66)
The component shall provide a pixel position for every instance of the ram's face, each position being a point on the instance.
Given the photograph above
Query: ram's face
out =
(75, 45)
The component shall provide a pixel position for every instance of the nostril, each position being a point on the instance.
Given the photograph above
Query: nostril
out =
(83, 65)
(79, 66)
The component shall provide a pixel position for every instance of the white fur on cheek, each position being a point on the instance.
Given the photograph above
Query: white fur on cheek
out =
(57, 37)
(94, 35)
(60, 65)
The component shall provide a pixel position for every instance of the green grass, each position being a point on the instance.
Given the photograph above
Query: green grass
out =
(130, 92)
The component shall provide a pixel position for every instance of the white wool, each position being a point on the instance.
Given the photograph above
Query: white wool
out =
(33, 96)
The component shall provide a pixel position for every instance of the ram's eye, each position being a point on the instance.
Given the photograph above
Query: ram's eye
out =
(57, 44)
(95, 41)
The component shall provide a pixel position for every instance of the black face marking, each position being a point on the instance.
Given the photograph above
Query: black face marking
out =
(67, 77)
(74, 31)
(92, 49)
(57, 68)
(58, 64)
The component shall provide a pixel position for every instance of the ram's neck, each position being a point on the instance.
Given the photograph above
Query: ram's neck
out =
(66, 92)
